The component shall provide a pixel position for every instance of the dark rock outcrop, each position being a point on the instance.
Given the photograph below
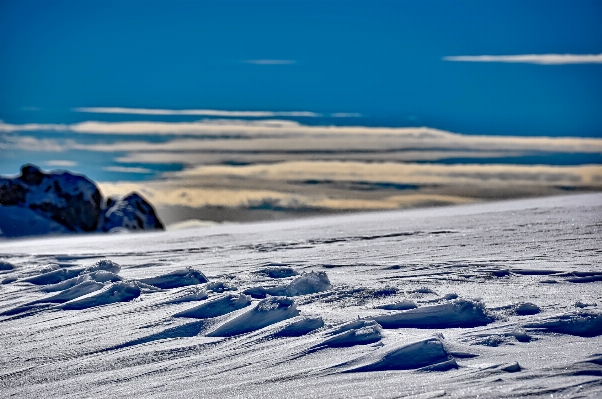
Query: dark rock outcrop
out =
(131, 212)
(75, 202)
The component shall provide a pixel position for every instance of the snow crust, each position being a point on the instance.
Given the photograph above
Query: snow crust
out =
(446, 302)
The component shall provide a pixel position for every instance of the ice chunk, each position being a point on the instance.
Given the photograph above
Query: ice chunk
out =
(408, 357)
(217, 307)
(268, 311)
(582, 324)
(120, 291)
(178, 278)
(459, 313)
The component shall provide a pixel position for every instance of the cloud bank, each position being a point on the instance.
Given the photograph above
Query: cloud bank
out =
(235, 163)
(542, 59)
(195, 112)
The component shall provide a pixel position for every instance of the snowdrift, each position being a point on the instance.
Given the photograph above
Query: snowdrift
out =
(268, 311)
(217, 307)
(305, 284)
(421, 354)
(582, 324)
(120, 291)
(178, 278)
(459, 313)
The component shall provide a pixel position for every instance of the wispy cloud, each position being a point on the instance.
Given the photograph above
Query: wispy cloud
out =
(127, 169)
(31, 127)
(284, 136)
(61, 163)
(270, 62)
(543, 59)
(196, 112)
(346, 115)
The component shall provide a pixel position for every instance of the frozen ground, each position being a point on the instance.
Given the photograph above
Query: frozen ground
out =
(494, 300)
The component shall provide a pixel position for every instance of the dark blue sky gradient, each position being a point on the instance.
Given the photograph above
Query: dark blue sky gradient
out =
(380, 59)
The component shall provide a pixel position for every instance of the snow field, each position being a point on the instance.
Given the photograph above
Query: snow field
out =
(496, 300)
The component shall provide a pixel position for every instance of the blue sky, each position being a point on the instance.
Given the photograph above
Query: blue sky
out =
(469, 68)
(383, 60)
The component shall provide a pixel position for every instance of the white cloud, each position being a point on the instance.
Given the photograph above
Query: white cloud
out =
(28, 143)
(270, 62)
(127, 169)
(196, 112)
(282, 136)
(543, 59)
(30, 127)
(61, 163)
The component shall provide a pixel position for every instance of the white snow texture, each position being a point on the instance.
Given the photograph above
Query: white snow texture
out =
(491, 300)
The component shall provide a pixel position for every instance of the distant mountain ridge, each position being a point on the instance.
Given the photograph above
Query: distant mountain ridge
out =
(60, 202)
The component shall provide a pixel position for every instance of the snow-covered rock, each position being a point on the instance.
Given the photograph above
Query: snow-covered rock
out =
(131, 212)
(69, 199)
(60, 202)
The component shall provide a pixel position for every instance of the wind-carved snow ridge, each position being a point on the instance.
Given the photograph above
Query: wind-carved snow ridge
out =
(6, 266)
(459, 313)
(309, 283)
(268, 311)
(362, 332)
(419, 355)
(217, 307)
(120, 291)
(71, 325)
(582, 324)
(403, 305)
(175, 279)
(300, 327)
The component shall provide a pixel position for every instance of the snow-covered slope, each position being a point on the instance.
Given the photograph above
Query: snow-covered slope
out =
(491, 300)
(39, 203)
